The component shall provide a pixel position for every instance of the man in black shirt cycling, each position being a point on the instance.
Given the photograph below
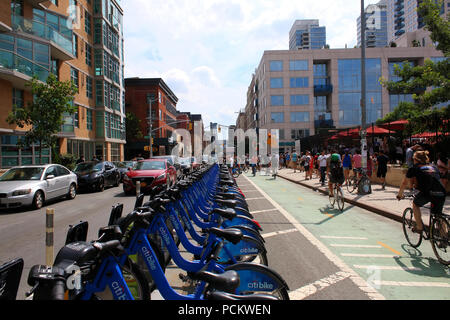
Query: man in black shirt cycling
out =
(426, 179)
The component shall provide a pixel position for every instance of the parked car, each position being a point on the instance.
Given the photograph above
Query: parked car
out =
(195, 164)
(173, 160)
(150, 173)
(96, 176)
(123, 167)
(33, 185)
(186, 165)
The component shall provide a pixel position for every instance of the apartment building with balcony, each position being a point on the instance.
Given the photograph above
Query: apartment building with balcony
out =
(81, 41)
(406, 26)
(304, 92)
(307, 34)
(376, 32)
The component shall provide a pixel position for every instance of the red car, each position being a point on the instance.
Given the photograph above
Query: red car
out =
(151, 173)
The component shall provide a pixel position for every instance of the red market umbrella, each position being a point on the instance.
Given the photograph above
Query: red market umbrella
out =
(398, 125)
(348, 133)
(428, 135)
(377, 130)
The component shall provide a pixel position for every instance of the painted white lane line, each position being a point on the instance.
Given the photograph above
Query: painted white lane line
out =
(392, 268)
(354, 245)
(344, 238)
(357, 280)
(411, 284)
(261, 211)
(254, 198)
(317, 286)
(276, 233)
(362, 255)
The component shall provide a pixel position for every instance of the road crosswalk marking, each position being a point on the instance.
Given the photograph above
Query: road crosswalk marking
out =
(348, 238)
(276, 233)
(355, 245)
(411, 284)
(363, 255)
(318, 285)
(393, 268)
(261, 211)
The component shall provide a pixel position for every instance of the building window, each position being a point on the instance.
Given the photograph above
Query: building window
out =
(299, 82)
(11, 155)
(75, 45)
(17, 101)
(89, 119)
(277, 100)
(299, 116)
(277, 117)
(74, 76)
(76, 118)
(89, 85)
(87, 22)
(276, 65)
(299, 133)
(298, 65)
(88, 55)
(276, 83)
(299, 100)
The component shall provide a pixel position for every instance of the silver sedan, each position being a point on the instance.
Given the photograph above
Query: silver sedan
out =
(33, 185)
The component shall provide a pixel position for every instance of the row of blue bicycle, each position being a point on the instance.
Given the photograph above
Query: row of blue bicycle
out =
(205, 212)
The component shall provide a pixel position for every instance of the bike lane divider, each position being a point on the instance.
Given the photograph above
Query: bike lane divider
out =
(390, 265)
(350, 274)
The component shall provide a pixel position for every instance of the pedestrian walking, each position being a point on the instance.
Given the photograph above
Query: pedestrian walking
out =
(322, 159)
(409, 154)
(294, 160)
(80, 160)
(357, 163)
(347, 165)
(382, 161)
(288, 160)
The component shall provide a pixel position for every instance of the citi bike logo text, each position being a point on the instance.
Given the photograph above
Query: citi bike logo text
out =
(164, 235)
(119, 291)
(249, 250)
(260, 285)
(174, 222)
(148, 257)
(74, 280)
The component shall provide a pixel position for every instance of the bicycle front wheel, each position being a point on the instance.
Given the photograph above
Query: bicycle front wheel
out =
(440, 239)
(414, 239)
(351, 185)
(340, 199)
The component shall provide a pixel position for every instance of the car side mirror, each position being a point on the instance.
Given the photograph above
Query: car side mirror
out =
(50, 177)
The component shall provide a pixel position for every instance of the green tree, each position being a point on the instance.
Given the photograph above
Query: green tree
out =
(133, 125)
(434, 75)
(44, 115)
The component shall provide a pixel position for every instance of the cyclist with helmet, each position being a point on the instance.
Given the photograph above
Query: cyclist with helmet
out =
(335, 171)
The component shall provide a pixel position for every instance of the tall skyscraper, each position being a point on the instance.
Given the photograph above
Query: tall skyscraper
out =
(405, 26)
(376, 25)
(307, 34)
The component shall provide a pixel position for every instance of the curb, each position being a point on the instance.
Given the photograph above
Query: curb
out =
(378, 211)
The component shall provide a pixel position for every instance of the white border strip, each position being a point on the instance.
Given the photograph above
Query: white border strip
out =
(276, 233)
(360, 282)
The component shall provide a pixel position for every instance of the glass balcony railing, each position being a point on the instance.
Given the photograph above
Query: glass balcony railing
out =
(42, 30)
(12, 61)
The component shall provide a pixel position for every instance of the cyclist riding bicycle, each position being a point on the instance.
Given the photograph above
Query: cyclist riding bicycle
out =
(335, 171)
(425, 178)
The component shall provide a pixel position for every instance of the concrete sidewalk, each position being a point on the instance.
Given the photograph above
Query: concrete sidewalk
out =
(383, 202)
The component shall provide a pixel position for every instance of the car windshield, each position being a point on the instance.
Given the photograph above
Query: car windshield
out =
(184, 161)
(150, 165)
(88, 166)
(22, 174)
(124, 164)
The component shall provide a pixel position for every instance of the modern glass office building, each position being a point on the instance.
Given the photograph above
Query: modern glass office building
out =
(304, 92)
(376, 34)
(307, 34)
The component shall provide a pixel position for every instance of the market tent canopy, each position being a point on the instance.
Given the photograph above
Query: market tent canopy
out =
(398, 125)
(428, 135)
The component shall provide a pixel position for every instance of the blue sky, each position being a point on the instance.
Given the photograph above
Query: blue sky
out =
(207, 50)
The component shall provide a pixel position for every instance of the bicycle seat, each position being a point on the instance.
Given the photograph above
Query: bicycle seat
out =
(225, 213)
(231, 234)
(227, 281)
(220, 295)
(229, 196)
(227, 203)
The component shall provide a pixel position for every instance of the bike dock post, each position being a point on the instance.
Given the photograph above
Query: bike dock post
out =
(49, 236)
(138, 188)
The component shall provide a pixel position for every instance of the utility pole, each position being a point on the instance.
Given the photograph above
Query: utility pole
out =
(363, 88)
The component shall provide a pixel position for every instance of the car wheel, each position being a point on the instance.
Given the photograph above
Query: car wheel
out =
(72, 192)
(38, 200)
(116, 184)
(101, 185)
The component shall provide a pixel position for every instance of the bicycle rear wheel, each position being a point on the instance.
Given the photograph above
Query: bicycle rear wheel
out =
(440, 239)
(414, 239)
(351, 185)
(340, 198)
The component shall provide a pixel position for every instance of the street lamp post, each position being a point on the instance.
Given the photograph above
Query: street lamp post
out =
(363, 88)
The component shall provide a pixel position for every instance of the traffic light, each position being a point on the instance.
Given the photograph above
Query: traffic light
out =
(218, 130)
(269, 139)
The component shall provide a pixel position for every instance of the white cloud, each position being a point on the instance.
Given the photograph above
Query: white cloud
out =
(207, 50)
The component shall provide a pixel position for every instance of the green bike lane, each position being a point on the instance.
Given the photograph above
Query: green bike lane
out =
(371, 245)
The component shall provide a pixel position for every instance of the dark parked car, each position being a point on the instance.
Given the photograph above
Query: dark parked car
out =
(123, 167)
(97, 175)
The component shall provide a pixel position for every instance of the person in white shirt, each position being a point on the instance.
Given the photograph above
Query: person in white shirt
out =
(322, 166)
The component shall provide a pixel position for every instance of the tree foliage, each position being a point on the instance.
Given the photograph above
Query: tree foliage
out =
(44, 115)
(429, 83)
